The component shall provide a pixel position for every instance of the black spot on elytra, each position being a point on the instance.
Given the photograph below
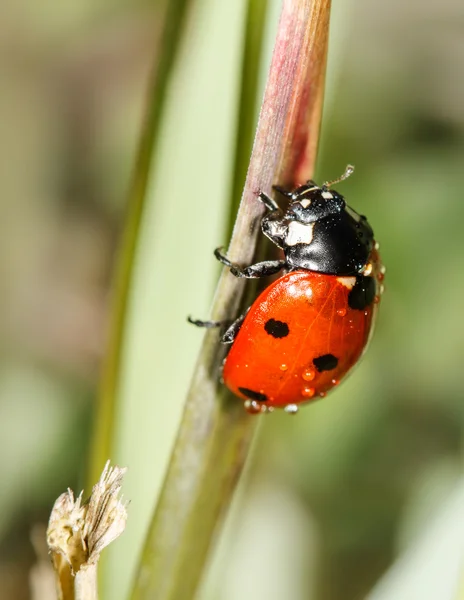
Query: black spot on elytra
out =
(326, 362)
(252, 395)
(277, 329)
(362, 294)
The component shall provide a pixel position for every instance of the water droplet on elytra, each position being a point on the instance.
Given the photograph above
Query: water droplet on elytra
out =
(376, 299)
(322, 394)
(308, 374)
(291, 409)
(283, 367)
(335, 381)
(341, 312)
(252, 407)
(308, 392)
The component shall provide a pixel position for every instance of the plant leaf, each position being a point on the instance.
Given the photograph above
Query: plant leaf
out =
(172, 15)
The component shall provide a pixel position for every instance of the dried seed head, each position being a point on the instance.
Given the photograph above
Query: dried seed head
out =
(78, 532)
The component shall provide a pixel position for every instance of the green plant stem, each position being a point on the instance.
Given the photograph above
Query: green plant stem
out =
(215, 432)
(172, 16)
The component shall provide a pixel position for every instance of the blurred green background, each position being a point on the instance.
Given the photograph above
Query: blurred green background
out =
(334, 496)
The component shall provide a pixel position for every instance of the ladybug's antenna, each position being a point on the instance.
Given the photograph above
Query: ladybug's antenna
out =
(348, 171)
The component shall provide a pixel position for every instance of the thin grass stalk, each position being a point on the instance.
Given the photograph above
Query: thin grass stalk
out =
(251, 58)
(172, 16)
(215, 433)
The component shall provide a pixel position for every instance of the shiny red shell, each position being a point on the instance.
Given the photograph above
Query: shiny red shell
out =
(315, 339)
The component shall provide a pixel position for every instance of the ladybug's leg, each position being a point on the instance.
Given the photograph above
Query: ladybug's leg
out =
(261, 269)
(223, 259)
(285, 193)
(209, 324)
(231, 333)
(268, 202)
(232, 327)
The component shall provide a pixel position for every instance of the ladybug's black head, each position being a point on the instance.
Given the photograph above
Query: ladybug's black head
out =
(319, 232)
(311, 203)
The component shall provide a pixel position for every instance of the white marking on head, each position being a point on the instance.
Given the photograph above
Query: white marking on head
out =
(305, 203)
(299, 233)
(327, 195)
(348, 282)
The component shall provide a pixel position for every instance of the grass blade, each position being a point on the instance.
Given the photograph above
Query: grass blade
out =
(173, 19)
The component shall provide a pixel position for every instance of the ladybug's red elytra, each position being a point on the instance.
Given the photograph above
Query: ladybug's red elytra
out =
(309, 327)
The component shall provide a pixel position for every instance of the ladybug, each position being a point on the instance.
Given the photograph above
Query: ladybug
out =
(310, 326)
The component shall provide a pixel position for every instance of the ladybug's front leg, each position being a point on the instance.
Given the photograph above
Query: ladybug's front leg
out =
(261, 269)
(284, 192)
(268, 202)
